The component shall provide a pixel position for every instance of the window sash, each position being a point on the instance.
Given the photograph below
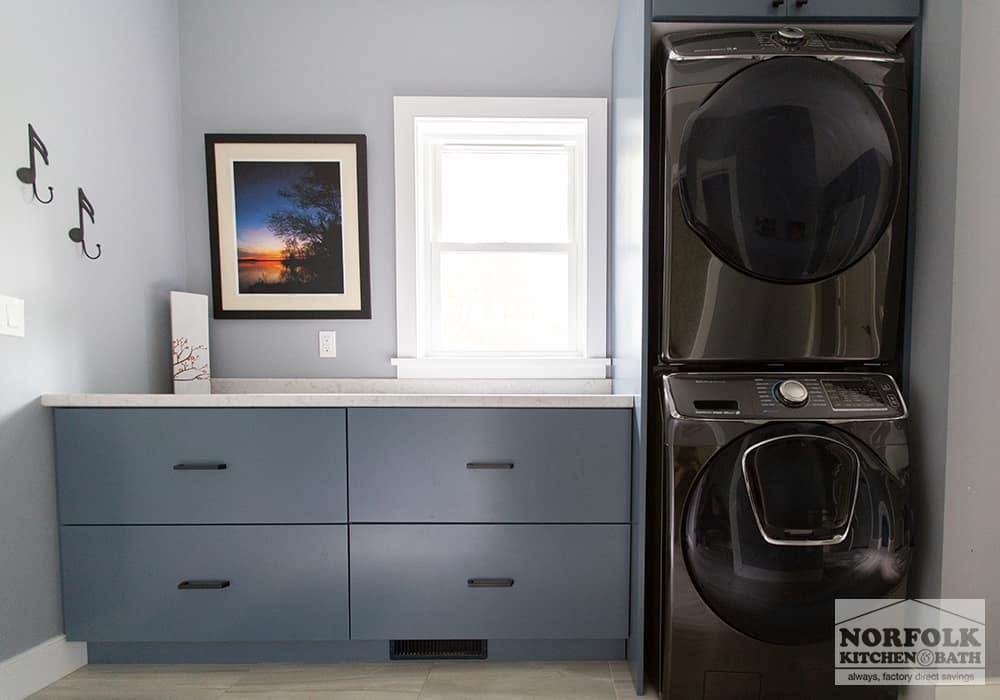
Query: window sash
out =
(430, 246)
(432, 322)
(421, 120)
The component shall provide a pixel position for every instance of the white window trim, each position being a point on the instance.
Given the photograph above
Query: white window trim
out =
(410, 361)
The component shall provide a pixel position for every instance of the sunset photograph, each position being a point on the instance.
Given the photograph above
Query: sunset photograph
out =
(289, 227)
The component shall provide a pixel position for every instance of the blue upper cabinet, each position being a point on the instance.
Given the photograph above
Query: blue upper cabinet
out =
(894, 9)
(780, 9)
(719, 8)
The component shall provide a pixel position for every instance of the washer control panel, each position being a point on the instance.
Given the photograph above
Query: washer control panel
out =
(860, 394)
(776, 396)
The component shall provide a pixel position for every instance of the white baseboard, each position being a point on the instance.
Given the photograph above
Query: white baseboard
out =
(42, 665)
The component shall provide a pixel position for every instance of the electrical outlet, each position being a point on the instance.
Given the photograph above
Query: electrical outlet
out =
(328, 343)
(11, 316)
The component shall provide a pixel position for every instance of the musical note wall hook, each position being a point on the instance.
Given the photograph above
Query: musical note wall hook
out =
(29, 175)
(77, 234)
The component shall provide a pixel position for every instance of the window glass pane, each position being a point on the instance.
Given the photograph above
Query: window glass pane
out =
(509, 194)
(504, 302)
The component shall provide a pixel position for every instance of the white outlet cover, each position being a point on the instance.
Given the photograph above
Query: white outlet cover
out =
(328, 343)
(12, 316)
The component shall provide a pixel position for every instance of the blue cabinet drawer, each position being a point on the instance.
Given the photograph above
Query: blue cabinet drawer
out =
(121, 583)
(489, 581)
(854, 8)
(719, 8)
(767, 9)
(146, 466)
(489, 465)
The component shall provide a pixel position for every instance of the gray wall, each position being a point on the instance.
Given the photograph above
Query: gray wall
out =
(970, 568)
(954, 380)
(99, 81)
(333, 66)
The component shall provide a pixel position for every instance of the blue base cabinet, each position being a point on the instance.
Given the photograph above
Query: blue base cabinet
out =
(489, 465)
(292, 526)
(205, 584)
(201, 466)
(489, 581)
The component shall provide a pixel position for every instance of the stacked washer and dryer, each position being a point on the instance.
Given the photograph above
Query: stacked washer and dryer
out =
(782, 479)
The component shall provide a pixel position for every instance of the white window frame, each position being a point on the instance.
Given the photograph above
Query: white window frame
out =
(418, 121)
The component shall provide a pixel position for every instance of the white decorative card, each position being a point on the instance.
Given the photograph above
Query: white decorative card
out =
(189, 343)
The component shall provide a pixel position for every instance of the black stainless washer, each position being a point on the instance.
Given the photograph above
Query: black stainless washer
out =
(768, 513)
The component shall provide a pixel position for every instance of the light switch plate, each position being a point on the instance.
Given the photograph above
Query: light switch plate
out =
(11, 316)
(328, 343)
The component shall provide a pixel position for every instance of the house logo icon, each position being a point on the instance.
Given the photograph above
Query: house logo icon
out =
(913, 641)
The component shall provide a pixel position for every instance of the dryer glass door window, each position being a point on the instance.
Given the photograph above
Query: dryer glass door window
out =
(790, 170)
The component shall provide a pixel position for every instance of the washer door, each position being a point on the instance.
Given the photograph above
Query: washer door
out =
(788, 518)
(790, 170)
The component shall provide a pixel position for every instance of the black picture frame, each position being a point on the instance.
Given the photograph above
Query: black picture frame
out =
(223, 282)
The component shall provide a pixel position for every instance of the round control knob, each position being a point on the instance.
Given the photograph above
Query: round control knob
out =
(791, 36)
(792, 393)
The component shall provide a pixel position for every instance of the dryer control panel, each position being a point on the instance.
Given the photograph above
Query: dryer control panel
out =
(777, 396)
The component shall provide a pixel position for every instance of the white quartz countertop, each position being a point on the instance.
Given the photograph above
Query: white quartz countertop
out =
(313, 400)
(319, 400)
(362, 392)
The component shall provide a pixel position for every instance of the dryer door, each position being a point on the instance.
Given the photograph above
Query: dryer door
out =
(790, 170)
(788, 518)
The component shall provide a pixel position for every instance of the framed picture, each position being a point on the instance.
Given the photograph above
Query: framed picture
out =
(288, 217)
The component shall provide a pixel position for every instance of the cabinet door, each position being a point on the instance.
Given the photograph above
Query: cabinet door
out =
(489, 581)
(201, 465)
(720, 8)
(207, 583)
(489, 465)
(853, 8)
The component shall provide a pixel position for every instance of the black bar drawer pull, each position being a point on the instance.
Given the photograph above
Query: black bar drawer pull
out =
(491, 582)
(199, 467)
(202, 585)
(489, 465)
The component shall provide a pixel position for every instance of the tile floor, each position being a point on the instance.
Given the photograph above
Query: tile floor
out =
(581, 680)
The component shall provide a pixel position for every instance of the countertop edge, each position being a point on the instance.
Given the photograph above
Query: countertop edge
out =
(337, 400)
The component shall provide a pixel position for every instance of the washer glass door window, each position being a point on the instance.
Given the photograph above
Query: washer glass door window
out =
(787, 518)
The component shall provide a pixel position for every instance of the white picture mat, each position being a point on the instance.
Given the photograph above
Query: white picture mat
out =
(344, 153)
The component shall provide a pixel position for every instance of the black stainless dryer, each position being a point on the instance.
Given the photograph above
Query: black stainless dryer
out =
(781, 493)
(785, 197)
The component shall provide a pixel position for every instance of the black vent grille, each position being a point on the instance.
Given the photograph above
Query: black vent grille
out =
(404, 649)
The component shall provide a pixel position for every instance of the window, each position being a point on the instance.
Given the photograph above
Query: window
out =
(501, 237)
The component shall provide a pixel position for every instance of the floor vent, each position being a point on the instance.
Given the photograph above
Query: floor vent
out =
(414, 649)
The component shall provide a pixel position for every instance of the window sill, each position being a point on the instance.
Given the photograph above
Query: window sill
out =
(501, 368)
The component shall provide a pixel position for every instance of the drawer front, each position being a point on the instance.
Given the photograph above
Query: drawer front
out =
(489, 581)
(854, 8)
(489, 465)
(285, 582)
(718, 8)
(126, 466)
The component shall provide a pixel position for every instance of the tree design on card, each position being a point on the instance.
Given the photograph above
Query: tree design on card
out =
(188, 363)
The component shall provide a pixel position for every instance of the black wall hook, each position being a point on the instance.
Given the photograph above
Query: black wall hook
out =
(77, 234)
(29, 175)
